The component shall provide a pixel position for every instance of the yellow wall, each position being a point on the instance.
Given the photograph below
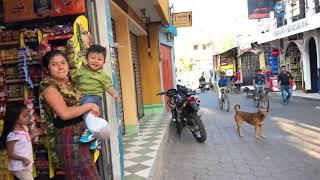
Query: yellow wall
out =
(162, 7)
(128, 11)
(229, 66)
(126, 68)
(150, 66)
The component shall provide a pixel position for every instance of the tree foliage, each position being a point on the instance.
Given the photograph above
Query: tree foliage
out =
(186, 64)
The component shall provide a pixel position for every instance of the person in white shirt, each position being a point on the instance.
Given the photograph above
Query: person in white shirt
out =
(16, 140)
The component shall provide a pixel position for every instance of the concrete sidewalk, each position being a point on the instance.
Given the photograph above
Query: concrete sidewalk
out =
(300, 95)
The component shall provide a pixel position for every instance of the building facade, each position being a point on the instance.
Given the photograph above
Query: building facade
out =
(143, 45)
(298, 37)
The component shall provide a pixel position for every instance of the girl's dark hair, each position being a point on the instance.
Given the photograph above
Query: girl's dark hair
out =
(12, 114)
(49, 55)
(97, 49)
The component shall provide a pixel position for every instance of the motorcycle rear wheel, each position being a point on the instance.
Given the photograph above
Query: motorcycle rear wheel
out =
(179, 127)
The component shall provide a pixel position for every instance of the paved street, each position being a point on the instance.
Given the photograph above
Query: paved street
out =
(290, 152)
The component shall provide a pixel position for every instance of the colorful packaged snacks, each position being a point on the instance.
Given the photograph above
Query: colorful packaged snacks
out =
(12, 72)
(15, 91)
(36, 74)
(80, 41)
(8, 54)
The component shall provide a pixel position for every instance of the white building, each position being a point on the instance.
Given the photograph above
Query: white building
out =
(203, 58)
(298, 39)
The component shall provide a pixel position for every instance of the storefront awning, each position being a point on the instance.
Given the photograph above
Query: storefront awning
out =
(300, 26)
(225, 50)
(243, 51)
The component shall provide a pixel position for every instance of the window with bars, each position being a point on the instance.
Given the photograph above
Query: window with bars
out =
(204, 46)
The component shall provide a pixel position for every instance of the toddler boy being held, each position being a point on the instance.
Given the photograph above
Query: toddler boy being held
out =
(92, 81)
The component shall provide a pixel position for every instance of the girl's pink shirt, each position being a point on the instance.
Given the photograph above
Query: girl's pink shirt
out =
(23, 148)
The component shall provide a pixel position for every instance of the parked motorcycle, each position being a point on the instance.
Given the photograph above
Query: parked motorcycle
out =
(184, 108)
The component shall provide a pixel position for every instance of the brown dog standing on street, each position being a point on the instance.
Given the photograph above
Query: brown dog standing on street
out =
(255, 119)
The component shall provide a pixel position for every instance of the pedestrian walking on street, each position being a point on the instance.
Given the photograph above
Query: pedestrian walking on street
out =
(284, 83)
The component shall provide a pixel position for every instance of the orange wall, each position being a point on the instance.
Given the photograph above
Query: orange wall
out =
(150, 66)
(162, 7)
(126, 71)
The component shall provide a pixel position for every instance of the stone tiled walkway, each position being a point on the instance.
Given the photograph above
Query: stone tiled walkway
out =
(140, 150)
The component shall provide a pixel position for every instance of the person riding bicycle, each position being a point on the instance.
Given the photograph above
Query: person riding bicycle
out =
(202, 81)
(258, 83)
(223, 83)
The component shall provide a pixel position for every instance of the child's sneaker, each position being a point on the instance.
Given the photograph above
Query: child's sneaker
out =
(94, 144)
(86, 137)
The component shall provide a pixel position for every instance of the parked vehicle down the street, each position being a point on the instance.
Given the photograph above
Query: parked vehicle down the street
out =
(184, 108)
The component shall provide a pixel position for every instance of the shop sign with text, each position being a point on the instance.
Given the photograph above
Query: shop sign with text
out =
(18, 10)
(182, 19)
(297, 27)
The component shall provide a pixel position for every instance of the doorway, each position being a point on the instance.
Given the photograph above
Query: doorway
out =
(313, 64)
(294, 64)
(167, 78)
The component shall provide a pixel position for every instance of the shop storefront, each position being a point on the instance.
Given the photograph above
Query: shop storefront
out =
(249, 64)
(32, 28)
(227, 62)
(293, 62)
(298, 43)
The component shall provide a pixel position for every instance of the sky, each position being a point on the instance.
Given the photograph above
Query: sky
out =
(214, 19)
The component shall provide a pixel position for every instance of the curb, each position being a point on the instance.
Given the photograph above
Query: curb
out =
(156, 170)
(294, 97)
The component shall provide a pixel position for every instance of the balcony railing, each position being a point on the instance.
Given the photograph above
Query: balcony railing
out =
(291, 16)
(317, 6)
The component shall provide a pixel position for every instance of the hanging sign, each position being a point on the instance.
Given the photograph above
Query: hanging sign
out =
(182, 19)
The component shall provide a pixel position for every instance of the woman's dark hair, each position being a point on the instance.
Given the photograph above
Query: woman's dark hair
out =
(12, 114)
(49, 55)
(97, 49)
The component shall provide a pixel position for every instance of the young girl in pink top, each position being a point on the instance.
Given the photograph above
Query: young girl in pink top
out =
(16, 140)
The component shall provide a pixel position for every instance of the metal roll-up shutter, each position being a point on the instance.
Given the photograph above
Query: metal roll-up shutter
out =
(118, 78)
(249, 63)
(137, 74)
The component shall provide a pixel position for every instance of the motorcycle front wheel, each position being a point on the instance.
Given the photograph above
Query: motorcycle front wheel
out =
(199, 133)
